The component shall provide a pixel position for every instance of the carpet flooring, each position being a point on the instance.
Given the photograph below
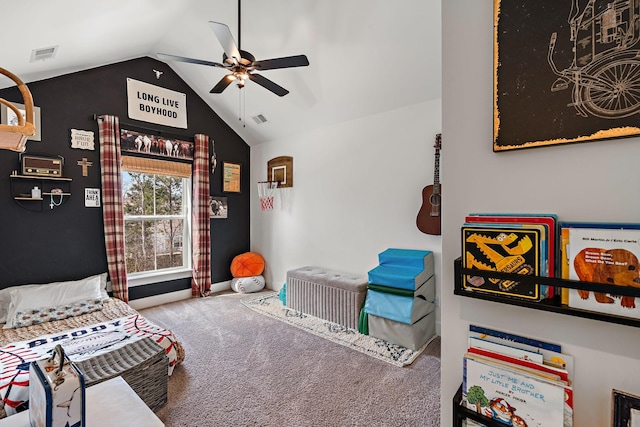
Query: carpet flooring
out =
(246, 369)
(269, 304)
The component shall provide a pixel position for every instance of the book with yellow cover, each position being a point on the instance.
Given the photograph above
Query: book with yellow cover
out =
(509, 249)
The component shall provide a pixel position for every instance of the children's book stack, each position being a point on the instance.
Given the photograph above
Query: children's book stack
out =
(518, 244)
(400, 298)
(517, 380)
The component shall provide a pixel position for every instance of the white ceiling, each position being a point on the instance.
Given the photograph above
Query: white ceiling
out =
(366, 56)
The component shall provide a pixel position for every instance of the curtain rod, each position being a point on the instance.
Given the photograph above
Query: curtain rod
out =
(156, 131)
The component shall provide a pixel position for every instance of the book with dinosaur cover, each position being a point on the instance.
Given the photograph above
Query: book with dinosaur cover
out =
(503, 248)
(609, 256)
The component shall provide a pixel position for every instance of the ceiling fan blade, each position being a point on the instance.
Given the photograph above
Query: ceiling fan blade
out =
(268, 84)
(222, 84)
(286, 62)
(167, 57)
(223, 33)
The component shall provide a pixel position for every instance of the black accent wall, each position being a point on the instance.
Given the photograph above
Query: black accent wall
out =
(67, 243)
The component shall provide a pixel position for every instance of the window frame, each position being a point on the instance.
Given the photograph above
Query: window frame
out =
(167, 274)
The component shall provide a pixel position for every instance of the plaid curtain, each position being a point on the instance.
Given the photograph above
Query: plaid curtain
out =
(201, 226)
(112, 211)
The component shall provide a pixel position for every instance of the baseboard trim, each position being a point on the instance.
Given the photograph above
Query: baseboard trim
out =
(166, 298)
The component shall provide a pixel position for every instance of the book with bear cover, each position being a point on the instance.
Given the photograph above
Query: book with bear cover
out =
(609, 256)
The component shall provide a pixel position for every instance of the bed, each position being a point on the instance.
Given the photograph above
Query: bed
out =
(38, 317)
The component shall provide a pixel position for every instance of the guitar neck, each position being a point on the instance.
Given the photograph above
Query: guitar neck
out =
(436, 172)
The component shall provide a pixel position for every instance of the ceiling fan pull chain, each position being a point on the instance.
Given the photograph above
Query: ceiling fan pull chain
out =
(241, 108)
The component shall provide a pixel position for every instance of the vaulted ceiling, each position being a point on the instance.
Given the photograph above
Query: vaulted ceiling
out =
(366, 56)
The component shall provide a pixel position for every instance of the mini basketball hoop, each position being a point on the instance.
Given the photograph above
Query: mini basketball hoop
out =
(266, 191)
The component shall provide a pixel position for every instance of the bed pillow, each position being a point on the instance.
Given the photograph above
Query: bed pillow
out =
(5, 295)
(51, 295)
(35, 316)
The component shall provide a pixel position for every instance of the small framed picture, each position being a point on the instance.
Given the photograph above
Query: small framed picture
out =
(91, 197)
(625, 409)
(8, 117)
(230, 177)
(218, 207)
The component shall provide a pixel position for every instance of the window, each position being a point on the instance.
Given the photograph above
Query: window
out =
(157, 216)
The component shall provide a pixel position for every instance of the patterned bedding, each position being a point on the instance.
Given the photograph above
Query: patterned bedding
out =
(82, 337)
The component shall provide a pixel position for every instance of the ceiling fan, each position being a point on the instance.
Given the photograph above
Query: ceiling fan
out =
(240, 64)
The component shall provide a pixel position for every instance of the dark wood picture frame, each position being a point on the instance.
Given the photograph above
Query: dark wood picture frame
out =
(554, 88)
(218, 207)
(156, 144)
(231, 177)
(623, 405)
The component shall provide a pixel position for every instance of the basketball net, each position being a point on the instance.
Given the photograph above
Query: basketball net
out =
(266, 191)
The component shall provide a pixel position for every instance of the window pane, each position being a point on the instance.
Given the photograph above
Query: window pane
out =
(138, 197)
(153, 245)
(139, 246)
(169, 243)
(168, 195)
(151, 194)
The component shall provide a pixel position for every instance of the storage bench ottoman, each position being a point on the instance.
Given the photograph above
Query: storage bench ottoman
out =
(143, 364)
(330, 295)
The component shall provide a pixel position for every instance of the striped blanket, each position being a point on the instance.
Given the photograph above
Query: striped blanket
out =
(79, 344)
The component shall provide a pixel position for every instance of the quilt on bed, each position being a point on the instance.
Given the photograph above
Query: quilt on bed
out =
(80, 343)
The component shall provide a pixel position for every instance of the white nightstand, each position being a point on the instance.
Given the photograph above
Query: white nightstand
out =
(110, 403)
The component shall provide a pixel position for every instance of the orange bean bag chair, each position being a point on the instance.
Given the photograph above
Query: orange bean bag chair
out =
(248, 264)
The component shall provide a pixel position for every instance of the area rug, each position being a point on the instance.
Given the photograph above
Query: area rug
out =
(269, 304)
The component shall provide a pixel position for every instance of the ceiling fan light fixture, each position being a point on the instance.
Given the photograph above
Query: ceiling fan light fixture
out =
(231, 77)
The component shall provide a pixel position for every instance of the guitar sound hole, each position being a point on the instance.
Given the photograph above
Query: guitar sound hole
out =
(434, 199)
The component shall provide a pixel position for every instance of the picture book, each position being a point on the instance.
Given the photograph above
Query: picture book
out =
(557, 374)
(564, 263)
(550, 221)
(513, 339)
(551, 353)
(511, 351)
(515, 397)
(609, 256)
(510, 249)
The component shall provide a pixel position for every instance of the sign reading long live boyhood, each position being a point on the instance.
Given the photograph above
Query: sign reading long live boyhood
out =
(156, 104)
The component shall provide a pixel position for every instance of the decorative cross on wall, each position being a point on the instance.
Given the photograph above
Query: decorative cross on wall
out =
(85, 166)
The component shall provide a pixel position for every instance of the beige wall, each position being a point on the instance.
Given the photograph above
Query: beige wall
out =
(357, 188)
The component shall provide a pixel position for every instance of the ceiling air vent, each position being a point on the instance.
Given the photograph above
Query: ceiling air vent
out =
(259, 119)
(43, 53)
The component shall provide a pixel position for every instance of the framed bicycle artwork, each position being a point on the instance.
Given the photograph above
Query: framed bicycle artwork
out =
(565, 71)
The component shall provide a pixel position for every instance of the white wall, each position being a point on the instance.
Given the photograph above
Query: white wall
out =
(596, 181)
(357, 188)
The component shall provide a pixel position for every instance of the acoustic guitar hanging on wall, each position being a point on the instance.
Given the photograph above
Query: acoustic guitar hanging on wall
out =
(429, 218)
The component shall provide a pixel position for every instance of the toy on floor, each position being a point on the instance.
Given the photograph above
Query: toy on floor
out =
(246, 285)
(246, 270)
(247, 264)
